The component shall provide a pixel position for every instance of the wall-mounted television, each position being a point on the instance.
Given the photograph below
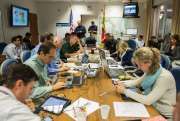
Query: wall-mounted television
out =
(19, 16)
(131, 10)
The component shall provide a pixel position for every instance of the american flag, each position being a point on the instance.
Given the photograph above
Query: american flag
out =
(71, 22)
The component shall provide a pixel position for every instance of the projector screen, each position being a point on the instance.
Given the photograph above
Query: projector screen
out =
(19, 16)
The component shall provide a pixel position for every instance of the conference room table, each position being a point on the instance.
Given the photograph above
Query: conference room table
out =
(98, 89)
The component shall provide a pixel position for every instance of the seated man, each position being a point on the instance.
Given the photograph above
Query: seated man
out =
(139, 41)
(71, 48)
(43, 39)
(91, 41)
(48, 37)
(16, 89)
(110, 43)
(14, 49)
(38, 63)
(56, 65)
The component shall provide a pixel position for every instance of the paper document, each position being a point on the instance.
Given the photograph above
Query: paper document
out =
(88, 105)
(116, 67)
(94, 65)
(130, 109)
(70, 65)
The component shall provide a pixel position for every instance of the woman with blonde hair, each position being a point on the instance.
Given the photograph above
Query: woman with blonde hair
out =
(157, 84)
(124, 54)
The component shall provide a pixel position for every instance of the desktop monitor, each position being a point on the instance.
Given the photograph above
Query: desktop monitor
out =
(131, 10)
(19, 16)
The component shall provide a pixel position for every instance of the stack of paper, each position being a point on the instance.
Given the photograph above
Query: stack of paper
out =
(89, 105)
(130, 109)
(70, 65)
(116, 67)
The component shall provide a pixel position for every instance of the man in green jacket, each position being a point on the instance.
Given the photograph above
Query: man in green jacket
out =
(38, 63)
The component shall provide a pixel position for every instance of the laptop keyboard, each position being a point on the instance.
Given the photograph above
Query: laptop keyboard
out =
(112, 62)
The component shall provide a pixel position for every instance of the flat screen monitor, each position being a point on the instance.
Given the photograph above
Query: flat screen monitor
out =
(131, 10)
(19, 16)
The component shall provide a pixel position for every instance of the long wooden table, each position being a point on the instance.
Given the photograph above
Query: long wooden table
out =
(92, 89)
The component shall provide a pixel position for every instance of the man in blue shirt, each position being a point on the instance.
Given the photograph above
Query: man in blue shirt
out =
(48, 37)
(93, 28)
(80, 30)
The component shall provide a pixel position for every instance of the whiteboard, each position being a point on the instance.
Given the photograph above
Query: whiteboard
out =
(119, 25)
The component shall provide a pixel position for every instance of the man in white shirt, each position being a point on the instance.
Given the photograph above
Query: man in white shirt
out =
(14, 49)
(15, 90)
(139, 41)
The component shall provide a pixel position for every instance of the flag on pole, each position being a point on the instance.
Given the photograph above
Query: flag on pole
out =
(71, 21)
(103, 37)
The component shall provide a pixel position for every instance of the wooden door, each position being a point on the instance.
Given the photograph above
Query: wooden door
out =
(33, 24)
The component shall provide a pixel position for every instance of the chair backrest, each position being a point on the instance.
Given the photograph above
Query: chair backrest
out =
(165, 62)
(2, 46)
(5, 65)
(176, 73)
(25, 55)
(2, 58)
(132, 44)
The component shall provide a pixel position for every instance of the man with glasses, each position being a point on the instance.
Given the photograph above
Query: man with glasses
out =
(38, 63)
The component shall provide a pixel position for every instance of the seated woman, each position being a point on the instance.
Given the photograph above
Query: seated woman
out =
(158, 84)
(174, 50)
(124, 54)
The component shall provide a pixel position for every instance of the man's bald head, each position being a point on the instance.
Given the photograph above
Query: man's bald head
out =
(57, 41)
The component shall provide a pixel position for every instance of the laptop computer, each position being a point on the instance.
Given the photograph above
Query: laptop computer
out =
(112, 67)
(74, 81)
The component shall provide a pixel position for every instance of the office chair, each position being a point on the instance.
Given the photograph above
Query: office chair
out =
(132, 44)
(25, 55)
(2, 46)
(5, 65)
(176, 73)
(165, 62)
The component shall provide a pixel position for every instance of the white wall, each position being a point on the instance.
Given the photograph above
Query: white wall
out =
(59, 12)
(8, 31)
